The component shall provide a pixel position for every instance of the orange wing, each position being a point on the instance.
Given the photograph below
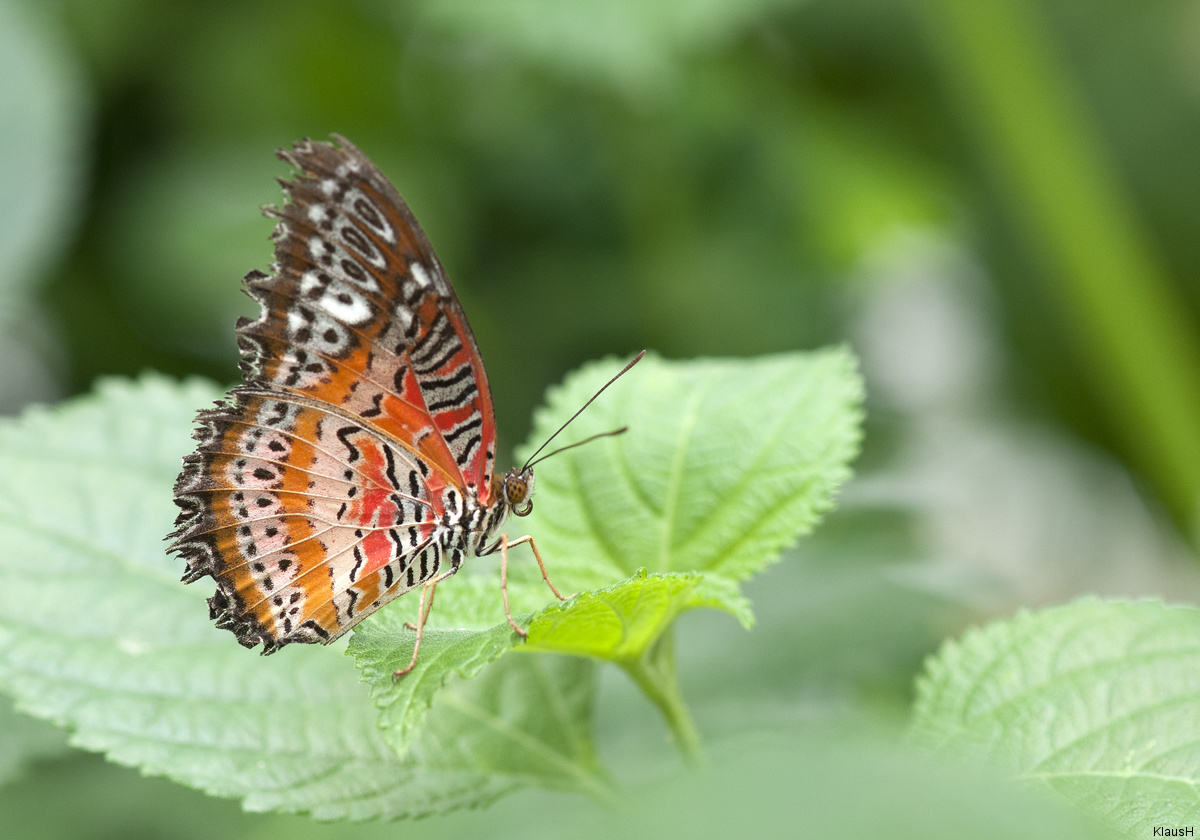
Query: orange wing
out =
(308, 520)
(365, 420)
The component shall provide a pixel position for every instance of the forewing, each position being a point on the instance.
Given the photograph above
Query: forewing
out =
(358, 313)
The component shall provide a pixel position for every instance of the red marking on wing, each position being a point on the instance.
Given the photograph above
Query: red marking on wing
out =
(295, 509)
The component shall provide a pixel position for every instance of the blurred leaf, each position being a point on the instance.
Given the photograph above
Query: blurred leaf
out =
(1127, 321)
(324, 67)
(862, 187)
(792, 782)
(1099, 700)
(42, 109)
(82, 796)
(183, 234)
(630, 45)
(780, 782)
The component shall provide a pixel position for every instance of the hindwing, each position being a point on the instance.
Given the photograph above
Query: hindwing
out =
(308, 519)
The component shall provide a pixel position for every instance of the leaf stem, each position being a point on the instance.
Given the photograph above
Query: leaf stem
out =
(657, 675)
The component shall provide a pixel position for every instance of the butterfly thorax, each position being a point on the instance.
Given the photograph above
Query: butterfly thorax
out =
(474, 526)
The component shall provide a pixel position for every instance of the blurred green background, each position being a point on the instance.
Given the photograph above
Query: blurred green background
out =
(996, 202)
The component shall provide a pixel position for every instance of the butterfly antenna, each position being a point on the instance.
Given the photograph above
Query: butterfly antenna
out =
(620, 373)
(612, 433)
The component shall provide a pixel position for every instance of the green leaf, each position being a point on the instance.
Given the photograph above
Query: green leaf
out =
(99, 635)
(1097, 700)
(464, 633)
(726, 463)
(525, 721)
(617, 622)
(103, 639)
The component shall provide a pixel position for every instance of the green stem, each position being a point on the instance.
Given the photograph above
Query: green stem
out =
(1142, 351)
(656, 674)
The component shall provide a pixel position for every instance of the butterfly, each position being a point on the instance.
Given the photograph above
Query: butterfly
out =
(356, 462)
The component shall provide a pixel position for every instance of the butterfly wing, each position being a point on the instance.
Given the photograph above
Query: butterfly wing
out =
(360, 314)
(365, 418)
(308, 520)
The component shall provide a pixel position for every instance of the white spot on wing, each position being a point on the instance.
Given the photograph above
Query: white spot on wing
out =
(352, 311)
(309, 282)
(420, 275)
(405, 315)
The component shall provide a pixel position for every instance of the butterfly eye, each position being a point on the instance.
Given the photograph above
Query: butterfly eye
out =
(515, 490)
(518, 486)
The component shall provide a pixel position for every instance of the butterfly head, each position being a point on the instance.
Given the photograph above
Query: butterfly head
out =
(517, 484)
(517, 487)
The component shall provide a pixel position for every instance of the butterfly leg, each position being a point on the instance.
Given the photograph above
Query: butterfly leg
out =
(541, 565)
(428, 608)
(517, 628)
(422, 616)
(505, 545)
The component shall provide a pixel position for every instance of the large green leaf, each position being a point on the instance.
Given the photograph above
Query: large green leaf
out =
(726, 462)
(100, 636)
(1098, 700)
